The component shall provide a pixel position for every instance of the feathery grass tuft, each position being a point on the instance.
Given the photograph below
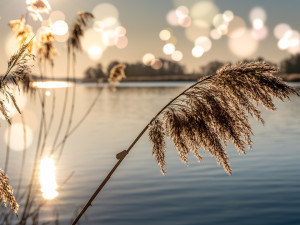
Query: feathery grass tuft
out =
(45, 46)
(209, 114)
(23, 31)
(117, 73)
(77, 30)
(156, 136)
(6, 193)
(18, 70)
(215, 110)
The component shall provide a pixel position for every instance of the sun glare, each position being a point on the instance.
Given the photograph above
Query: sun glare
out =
(168, 49)
(47, 178)
(197, 51)
(95, 52)
(51, 84)
(60, 27)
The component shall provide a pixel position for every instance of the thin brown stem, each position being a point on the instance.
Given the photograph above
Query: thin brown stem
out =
(7, 148)
(23, 157)
(100, 187)
(88, 111)
(64, 108)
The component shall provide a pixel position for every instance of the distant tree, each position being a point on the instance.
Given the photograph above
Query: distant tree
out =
(171, 68)
(111, 65)
(137, 69)
(260, 59)
(95, 72)
(168, 68)
(211, 67)
(291, 64)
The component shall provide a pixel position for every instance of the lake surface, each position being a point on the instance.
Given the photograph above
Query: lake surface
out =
(263, 190)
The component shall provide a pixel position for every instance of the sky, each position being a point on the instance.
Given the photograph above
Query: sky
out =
(241, 29)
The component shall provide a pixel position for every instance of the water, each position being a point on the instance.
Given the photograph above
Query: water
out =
(264, 188)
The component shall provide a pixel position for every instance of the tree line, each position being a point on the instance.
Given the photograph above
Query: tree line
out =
(287, 66)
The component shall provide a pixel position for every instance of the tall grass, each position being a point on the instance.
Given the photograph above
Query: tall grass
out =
(18, 70)
(209, 114)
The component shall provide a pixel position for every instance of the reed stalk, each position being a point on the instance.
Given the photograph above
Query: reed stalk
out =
(211, 111)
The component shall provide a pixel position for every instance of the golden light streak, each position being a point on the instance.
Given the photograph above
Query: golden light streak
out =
(47, 178)
(51, 84)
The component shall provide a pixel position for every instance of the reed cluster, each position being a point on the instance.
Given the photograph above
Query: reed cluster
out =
(215, 110)
(19, 70)
(209, 114)
(6, 193)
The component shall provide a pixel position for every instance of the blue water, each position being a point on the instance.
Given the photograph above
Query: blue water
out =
(264, 188)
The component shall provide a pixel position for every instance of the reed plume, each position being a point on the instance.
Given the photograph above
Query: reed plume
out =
(77, 30)
(17, 70)
(36, 7)
(6, 193)
(209, 114)
(22, 31)
(45, 46)
(215, 110)
(117, 73)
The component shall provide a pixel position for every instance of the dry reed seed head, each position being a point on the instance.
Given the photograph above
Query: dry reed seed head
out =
(6, 193)
(23, 32)
(40, 5)
(77, 30)
(17, 71)
(215, 110)
(175, 123)
(117, 73)
(45, 48)
(4, 112)
(84, 17)
(157, 138)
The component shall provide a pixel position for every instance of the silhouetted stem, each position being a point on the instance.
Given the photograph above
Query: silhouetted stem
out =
(88, 204)
(7, 148)
(64, 107)
(23, 157)
(61, 144)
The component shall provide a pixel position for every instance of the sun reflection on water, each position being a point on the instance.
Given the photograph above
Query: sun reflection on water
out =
(51, 84)
(47, 178)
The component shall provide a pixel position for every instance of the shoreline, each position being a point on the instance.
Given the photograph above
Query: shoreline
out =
(183, 78)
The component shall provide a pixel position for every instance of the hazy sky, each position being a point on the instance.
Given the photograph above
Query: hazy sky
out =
(144, 20)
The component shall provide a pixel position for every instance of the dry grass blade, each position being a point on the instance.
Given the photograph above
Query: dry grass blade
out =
(215, 111)
(6, 193)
